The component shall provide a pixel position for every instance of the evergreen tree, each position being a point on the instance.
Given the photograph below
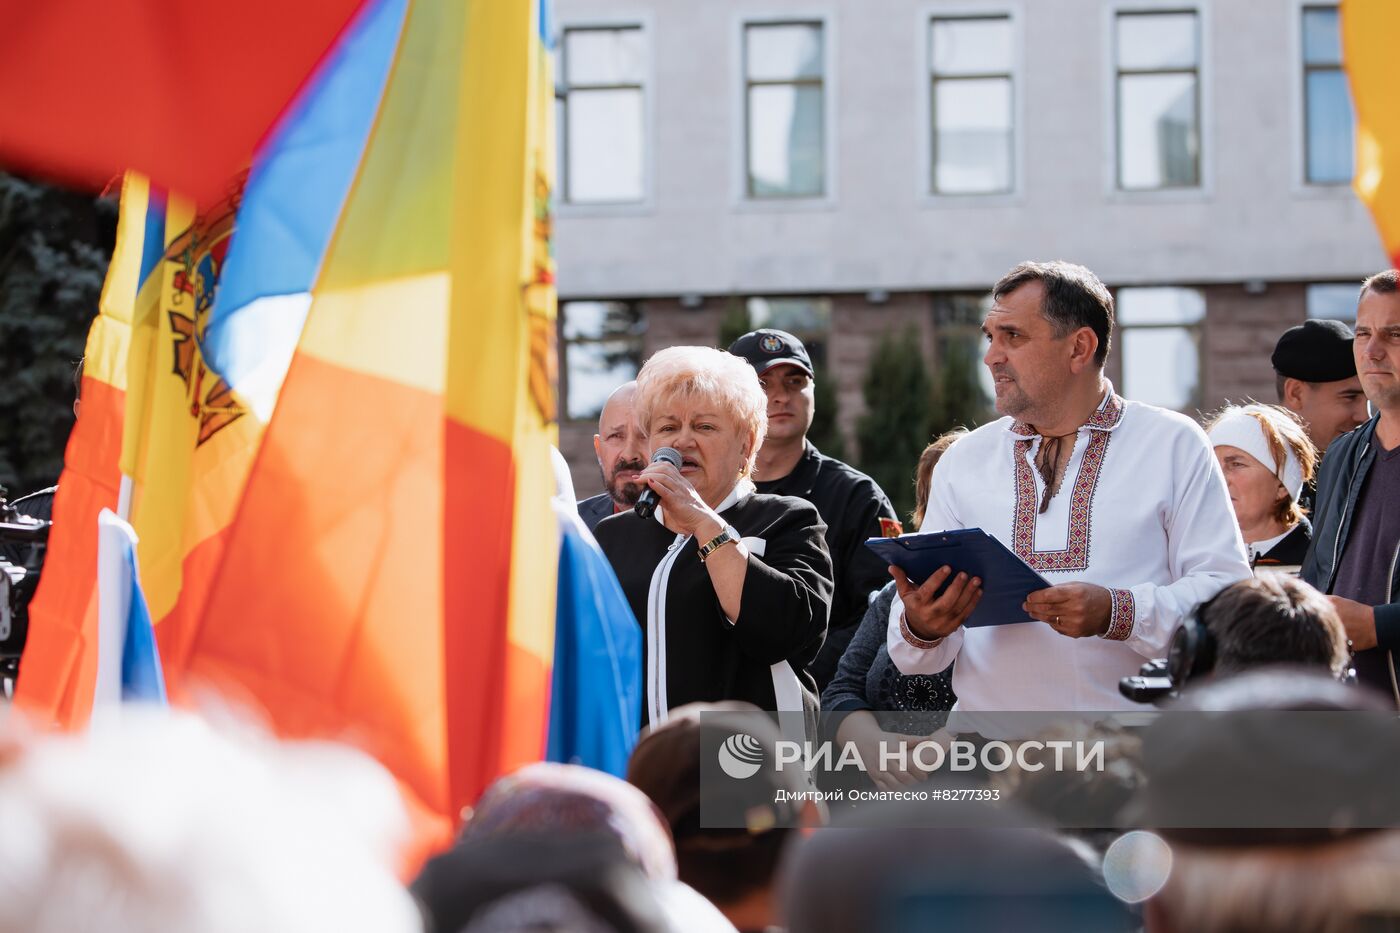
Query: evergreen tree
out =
(735, 323)
(957, 399)
(824, 432)
(54, 249)
(895, 427)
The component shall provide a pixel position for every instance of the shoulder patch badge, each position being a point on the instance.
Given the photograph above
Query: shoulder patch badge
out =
(890, 528)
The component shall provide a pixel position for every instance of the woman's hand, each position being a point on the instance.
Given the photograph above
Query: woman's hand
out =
(683, 511)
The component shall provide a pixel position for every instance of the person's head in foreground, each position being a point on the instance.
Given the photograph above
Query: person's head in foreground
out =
(884, 869)
(1269, 619)
(155, 821)
(589, 821)
(706, 405)
(733, 866)
(1048, 336)
(1278, 805)
(1267, 458)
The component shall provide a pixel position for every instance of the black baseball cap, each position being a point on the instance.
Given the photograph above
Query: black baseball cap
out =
(1315, 351)
(767, 348)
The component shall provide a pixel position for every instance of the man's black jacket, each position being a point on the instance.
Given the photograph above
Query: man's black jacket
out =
(852, 505)
(1344, 469)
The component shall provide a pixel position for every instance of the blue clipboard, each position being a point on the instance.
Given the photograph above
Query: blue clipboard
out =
(1006, 579)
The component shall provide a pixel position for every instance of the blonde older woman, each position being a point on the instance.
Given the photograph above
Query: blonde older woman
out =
(1267, 458)
(733, 588)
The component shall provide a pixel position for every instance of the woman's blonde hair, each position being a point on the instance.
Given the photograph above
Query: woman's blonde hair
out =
(710, 374)
(1283, 430)
(923, 473)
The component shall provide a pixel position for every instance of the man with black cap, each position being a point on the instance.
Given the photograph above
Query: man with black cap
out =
(1317, 381)
(851, 503)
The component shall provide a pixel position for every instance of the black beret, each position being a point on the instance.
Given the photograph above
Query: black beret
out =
(1315, 351)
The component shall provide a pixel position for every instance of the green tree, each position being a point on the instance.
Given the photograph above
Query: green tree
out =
(825, 433)
(735, 323)
(895, 427)
(54, 249)
(957, 399)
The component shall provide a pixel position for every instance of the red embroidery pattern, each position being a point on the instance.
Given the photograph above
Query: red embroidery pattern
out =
(914, 641)
(1075, 556)
(1121, 617)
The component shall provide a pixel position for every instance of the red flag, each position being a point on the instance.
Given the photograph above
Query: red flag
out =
(180, 91)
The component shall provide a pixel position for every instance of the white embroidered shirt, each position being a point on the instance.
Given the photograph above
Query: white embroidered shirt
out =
(1143, 511)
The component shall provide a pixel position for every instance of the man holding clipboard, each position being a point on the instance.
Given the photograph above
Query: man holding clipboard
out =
(1119, 506)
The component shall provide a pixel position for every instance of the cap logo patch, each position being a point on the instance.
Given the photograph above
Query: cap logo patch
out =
(771, 343)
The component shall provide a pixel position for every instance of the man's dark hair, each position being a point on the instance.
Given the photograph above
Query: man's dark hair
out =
(1382, 283)
(1274, 618)
(1074, 298)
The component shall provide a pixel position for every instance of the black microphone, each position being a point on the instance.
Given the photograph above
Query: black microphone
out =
(647, 501)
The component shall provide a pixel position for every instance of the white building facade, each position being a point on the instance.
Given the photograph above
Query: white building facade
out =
(852, 168)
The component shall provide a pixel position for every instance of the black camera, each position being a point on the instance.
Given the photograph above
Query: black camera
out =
(1190, 655)
(22, 544)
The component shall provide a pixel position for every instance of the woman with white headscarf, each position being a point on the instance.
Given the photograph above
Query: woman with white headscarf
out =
(1267, 458)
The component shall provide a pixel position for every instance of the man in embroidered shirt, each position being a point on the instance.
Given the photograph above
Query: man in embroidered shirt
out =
(1120, 505)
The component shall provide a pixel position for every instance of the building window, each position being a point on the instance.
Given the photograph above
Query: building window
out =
(1333, 301)
(785, 110)
(1327, 116)
(1158, 79)
(600, 107)
(807, 319)
(1159, 330)
(602, 350)
(971, 105)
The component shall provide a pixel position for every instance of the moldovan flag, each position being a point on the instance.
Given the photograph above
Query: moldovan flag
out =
(388, 576)
(341, 407)
(1369, 31)
(60, 658)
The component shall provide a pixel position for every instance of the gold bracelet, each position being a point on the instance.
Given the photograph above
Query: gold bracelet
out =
(717, 542)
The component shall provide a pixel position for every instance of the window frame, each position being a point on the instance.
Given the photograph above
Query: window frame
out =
(1117, 72)
(741, 198)
(1196, 329)
(637, 307)
(640, 20)
(928, 83)
(1300, 10)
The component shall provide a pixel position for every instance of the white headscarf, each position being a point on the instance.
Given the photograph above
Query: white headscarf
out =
(1237, 427)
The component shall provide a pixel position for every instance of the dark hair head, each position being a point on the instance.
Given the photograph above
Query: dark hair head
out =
(1274, 618)
(1074, 298)
(1382, 283)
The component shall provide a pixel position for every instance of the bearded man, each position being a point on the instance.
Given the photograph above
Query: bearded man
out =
(621, 449)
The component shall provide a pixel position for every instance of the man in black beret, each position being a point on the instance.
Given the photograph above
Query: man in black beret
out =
(1317, 379)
